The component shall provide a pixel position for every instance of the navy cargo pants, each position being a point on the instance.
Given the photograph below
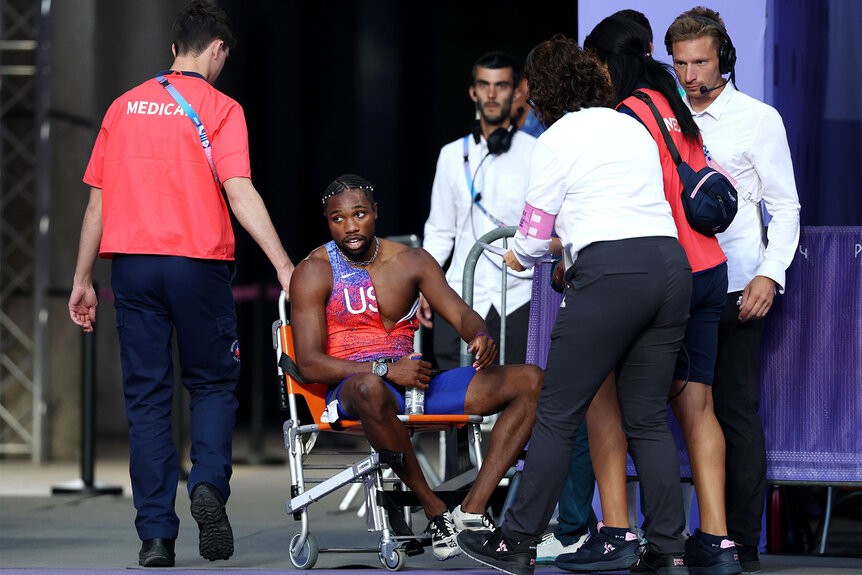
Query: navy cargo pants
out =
(153, 295)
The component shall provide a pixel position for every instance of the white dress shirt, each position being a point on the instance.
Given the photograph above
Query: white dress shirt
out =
(598, 172)
(456, 223)
(747, 138)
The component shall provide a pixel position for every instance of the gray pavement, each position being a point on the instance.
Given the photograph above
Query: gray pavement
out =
(45, 534)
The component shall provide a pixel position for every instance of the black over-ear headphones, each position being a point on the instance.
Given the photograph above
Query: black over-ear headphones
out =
(726, 51)
(499, 141)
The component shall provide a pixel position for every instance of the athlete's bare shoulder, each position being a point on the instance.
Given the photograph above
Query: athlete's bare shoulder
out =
(409, 260)
(313, 276)
(319, 253)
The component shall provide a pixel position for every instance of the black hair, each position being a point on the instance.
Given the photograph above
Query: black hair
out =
(197, 25)
(347, 182)
(637, 17)
(495, 61)
(624, 46)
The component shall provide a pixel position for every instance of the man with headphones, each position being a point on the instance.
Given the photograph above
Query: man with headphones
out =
(747, 138)
(480, 184)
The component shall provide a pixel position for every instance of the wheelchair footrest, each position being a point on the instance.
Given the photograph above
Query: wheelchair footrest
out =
(359, 469)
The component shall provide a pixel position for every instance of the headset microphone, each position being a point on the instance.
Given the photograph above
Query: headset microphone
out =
(705, 90)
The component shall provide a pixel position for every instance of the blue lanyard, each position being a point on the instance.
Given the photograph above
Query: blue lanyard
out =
(199, 126)
(472, 186)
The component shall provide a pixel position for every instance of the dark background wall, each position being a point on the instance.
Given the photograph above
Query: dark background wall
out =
(374, 88)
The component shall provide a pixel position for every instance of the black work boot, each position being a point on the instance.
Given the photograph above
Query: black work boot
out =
(157, 552)
(216, 536)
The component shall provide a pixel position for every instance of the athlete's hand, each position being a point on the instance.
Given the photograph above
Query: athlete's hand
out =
(756, 298)
(424, 316)
(82, 306)
(410, 371)
(485, 348)
(510, 260)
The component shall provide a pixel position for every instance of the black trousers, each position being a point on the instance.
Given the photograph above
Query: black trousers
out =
(626, 309)
(736, 396)
(447, 342)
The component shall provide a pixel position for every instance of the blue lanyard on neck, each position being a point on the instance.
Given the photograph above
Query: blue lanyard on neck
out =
(474, 195)
(470, 184)
(199, 125)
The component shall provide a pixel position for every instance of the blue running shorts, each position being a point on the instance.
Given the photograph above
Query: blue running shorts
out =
(445, 394)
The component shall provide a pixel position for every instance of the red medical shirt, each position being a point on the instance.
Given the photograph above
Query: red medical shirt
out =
(703, 252)
(158, 192)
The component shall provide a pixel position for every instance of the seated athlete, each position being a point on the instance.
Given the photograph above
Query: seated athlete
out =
(353, 312)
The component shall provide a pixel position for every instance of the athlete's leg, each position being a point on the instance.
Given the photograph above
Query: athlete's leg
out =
(513, 391)
(367, 397)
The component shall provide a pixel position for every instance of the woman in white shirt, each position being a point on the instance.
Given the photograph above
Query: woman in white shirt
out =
(596, 180)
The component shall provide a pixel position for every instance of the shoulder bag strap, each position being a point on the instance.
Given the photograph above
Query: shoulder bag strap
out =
(199, 126)
(667, 139)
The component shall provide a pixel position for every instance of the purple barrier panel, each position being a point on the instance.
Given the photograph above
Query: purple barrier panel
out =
(544, 306)
(811, 368)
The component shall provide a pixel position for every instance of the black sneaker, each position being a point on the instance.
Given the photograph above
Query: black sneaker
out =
(661, 563)
(704, 558)
(216, 536)
(749, 558)
(602, 552)
(157, 552)
(491, 548)
(442, 530)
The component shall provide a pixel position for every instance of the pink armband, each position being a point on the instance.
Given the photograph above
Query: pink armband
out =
(536, 224)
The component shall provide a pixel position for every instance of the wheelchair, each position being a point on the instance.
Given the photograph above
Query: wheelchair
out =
(388, 503)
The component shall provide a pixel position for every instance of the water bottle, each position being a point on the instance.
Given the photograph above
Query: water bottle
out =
(414, 398)
(414, 401)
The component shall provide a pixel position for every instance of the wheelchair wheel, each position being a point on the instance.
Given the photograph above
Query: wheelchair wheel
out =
(394, 561)
(305, 557)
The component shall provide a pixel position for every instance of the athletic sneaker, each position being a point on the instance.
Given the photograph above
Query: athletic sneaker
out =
(707, 558)
(442, 530)
(749, 558)
(472, 521)
(604, 551)
(550, 547)
(216, 536)
(660, 563)
(491, 548)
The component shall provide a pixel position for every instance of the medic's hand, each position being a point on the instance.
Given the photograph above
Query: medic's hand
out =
(82, 306)
(510, 260)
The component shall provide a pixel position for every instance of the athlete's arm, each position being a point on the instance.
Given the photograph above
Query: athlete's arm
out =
(309, 292)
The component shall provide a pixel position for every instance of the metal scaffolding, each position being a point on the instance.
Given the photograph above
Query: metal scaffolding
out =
(25, 171)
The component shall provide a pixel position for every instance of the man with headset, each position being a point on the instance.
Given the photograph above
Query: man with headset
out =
(747, 138)
(480, 184)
